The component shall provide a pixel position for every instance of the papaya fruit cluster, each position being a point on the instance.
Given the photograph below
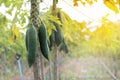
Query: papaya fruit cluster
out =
(32, 37)
(32, 43)
(57, 36)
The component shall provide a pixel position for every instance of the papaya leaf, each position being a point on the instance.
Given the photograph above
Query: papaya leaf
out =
(111, 5)
(54, 19)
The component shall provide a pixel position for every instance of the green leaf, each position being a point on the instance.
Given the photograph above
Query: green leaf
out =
(54, 19)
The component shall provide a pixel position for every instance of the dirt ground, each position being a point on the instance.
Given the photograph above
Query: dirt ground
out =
(75, 69)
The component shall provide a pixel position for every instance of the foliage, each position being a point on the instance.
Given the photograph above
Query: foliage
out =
(104, 40)
(90, 2)
(111, 4)
(12, 26)
(11, 39)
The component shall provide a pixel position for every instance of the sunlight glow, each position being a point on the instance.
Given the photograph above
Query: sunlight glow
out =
(87, 13)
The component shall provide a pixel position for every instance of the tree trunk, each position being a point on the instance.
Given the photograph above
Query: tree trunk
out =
(54, 8)
(50, 69)
(55, 62)
(36, 69)
(55, 57)
(34, 18)
(115, 65)
(41, 65)
(4, 59)
(34, 13)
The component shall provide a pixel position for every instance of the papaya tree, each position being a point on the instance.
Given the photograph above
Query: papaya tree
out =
(35, 21)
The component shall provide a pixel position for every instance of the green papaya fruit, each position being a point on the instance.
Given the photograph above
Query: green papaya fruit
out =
(31, 44)
(42, 34)
(63, 47)
(52, 39)
(58, 34)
